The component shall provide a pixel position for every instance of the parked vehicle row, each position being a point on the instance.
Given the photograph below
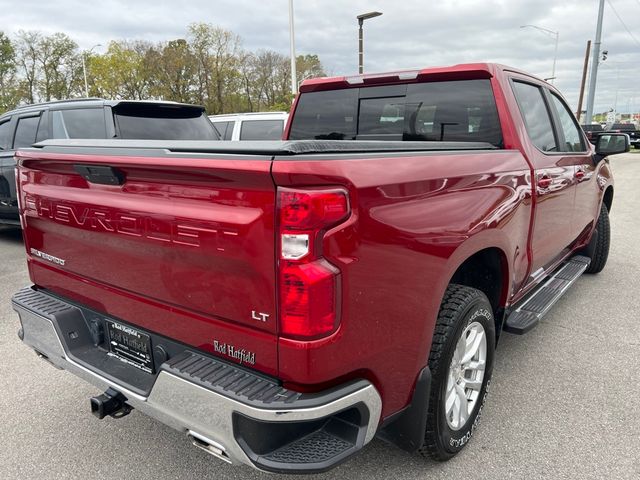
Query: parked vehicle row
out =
(629, 129)
(90, 118)
(594, 130)
(282, 303)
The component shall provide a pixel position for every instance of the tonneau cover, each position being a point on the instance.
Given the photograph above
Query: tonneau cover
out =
(278, 147)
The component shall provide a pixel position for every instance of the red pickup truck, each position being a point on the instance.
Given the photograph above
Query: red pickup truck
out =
(282, 303)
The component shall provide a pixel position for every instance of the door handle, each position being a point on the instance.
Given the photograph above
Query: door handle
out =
(544, 181)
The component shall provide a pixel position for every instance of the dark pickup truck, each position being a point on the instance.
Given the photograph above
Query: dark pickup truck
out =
(282, 303)
(90, 118)
(629, 129)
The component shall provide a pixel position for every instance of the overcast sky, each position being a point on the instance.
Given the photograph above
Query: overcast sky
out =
(409, 34)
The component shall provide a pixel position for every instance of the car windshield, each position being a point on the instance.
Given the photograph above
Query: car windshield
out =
(162, 122)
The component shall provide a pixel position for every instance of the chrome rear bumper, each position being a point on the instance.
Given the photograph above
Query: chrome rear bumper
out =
(222, 417)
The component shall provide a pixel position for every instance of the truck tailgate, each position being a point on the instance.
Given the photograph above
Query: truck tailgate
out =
(181, 244)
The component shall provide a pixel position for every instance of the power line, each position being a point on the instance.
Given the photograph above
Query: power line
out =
(624, 24)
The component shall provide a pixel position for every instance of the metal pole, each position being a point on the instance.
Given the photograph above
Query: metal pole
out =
(84, 70)
(584, 79)
(546, 31)
(360, 47)
(294, 83)
(555, 58)
(595, 59)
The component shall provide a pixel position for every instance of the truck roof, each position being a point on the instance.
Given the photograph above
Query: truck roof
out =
(451, 72)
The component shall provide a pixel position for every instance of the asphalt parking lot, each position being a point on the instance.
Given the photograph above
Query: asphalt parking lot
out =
(564, 400)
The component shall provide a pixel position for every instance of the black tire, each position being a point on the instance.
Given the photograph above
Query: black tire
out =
(598, 249)
(460, 307)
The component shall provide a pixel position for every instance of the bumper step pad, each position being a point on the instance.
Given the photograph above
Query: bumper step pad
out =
(230, 380)
(528, 313)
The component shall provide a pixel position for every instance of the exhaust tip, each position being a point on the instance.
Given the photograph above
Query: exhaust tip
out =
(209, 446)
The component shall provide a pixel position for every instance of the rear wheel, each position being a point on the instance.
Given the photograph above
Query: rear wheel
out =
(461, 362)
(598, 248)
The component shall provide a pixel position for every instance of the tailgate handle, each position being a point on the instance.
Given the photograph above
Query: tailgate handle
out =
(104, 175)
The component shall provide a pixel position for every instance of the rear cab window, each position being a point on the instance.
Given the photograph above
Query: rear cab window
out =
(162, 122)
(459, 110)
(261, 129)
(78, 123)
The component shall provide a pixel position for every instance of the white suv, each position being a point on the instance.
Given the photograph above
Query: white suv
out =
(250, 126)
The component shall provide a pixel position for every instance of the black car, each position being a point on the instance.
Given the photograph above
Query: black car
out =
(91, 118)
(592, 131)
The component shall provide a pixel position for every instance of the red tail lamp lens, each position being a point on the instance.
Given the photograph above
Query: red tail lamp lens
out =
(309, 209)
(308, 289)
(308, 302)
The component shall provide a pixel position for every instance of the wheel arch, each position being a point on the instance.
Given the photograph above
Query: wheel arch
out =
(486, 268)
(607, 198)
(487, 271)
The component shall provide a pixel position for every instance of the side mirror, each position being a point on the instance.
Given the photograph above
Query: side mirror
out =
(612, 144)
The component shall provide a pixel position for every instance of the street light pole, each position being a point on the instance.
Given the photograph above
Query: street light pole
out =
(555, 53)
(84, 69)
(361, 18)
(292, 47)
(595, 60)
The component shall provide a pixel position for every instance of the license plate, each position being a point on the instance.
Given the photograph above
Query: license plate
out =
(130, 346)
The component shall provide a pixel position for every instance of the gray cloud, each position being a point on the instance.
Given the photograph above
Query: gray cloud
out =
(410, 34)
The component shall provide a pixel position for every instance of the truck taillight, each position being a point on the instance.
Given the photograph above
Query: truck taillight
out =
(308, 289)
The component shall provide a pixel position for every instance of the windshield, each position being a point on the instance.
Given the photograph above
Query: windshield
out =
(162, 122)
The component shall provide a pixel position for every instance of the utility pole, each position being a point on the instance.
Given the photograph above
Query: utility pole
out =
(361, 19)
(595, 59)
(584, 79)
(292, 45)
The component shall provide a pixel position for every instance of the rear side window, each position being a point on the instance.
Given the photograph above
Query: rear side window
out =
(160, 122)
(536, 116)
(5, 134)
(26, 132)
(261, 129)
(570, 129)
(459, 111)
(462, 110)
(79, 123)
(224, 129)
(328, 115)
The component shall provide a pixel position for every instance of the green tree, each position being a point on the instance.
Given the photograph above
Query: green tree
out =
(216, 51)
(309, 66)
(124, 71)
(8, 83)
(176, 71)
(60, 67)
(27, 51)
